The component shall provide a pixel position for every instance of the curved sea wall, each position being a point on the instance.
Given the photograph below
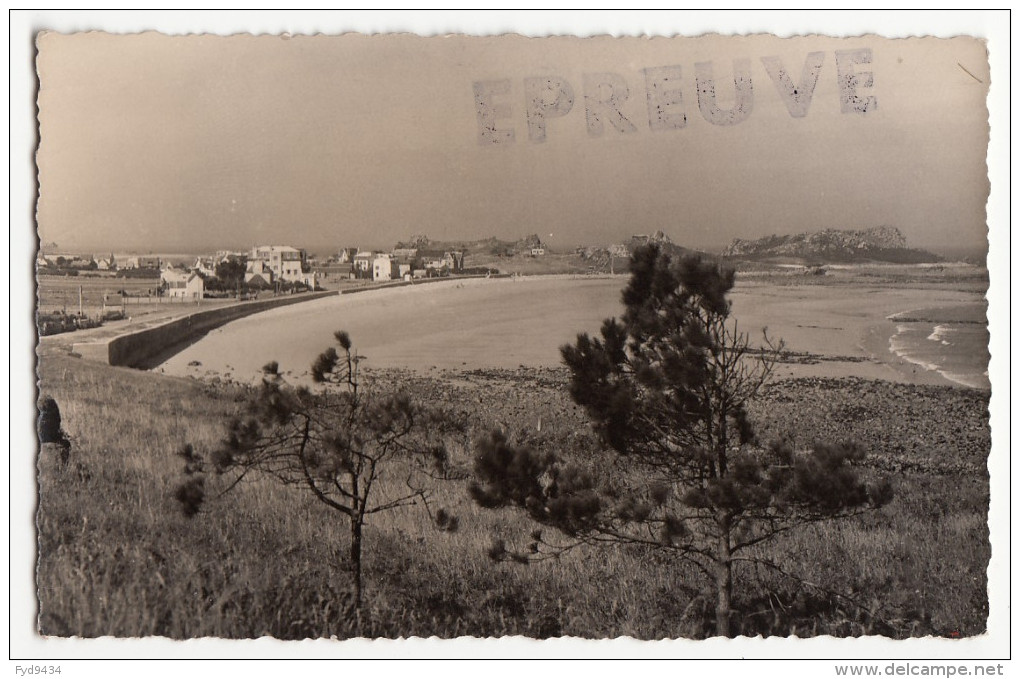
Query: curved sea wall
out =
(135, 349)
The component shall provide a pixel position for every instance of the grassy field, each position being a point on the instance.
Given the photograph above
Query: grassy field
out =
(549, 263)
(118, 557)
(61, 292)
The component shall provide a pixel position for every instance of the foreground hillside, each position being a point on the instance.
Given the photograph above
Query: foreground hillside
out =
(117, 556)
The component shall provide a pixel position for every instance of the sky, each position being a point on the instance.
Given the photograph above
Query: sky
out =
(190, 143)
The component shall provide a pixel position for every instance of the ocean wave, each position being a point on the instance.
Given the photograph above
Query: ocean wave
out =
(964, 360)
(901, 345)
(968, 380)
(939, 334)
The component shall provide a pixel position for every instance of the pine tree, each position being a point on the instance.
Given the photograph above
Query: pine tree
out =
(667, 388)
(342, 443)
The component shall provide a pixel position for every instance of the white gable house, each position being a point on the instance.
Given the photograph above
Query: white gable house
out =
(183, 284)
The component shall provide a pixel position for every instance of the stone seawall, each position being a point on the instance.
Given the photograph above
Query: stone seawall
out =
(139, 348)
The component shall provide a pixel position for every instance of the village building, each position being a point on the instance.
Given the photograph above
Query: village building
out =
(334, 272)
(406, 261)
(141, 262)
(225, 256)
(385, 268)
(405, 253)
(346, 255)
(70, 261)
(258, 274)
(363, 261)
(286, 263)
(206, 267)
(442, 262)
(537, 252)
(259, 281)
(183, 284)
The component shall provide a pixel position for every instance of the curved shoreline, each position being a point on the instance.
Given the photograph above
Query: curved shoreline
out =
(147, 346)
(493, 322)
(466, 325)
(451, 323)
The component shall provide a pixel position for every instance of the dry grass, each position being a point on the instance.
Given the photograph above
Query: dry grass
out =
(61, 292)
(117, 557)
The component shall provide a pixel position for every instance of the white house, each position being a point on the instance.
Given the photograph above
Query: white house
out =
(438, 260)
(285, 262)
(205, 267)
(385, 268)
(363, 260)
(183, 284)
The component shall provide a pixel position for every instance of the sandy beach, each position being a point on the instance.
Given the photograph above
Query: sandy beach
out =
(465, 324)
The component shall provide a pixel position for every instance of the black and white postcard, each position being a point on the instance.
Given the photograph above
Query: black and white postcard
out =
(372, 335)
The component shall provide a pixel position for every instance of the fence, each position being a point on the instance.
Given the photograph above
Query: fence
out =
(152, 299)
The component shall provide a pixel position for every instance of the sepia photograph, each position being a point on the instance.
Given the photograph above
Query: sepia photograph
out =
(383, 335)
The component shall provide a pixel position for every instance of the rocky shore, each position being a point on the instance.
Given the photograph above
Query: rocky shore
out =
(883, 243)
(906, 428)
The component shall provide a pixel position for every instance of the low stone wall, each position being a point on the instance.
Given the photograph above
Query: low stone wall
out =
(138, 348)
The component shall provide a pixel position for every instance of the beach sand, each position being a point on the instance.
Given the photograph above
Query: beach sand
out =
(504, 323)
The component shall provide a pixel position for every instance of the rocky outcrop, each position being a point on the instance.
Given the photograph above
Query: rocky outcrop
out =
(608, 258)
(881, 243)
(659, 237)
(528, 242)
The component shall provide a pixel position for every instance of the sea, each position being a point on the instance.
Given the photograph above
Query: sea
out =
(952, 341)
